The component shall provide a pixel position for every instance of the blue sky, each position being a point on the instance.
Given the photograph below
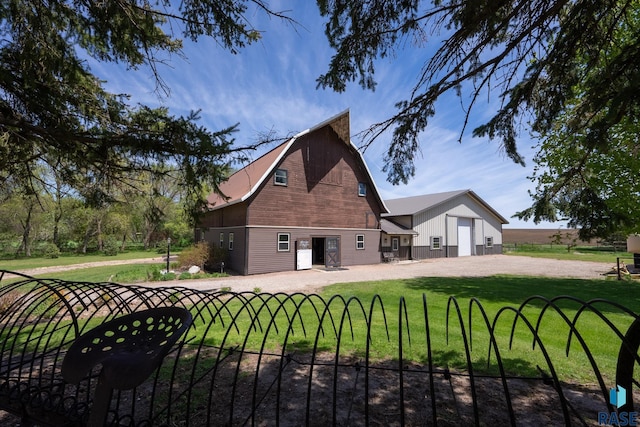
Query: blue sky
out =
(271, 86)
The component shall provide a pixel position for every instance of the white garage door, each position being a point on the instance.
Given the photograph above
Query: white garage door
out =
(464, 236)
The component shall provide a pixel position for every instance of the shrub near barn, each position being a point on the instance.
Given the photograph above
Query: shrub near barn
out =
(204, 255)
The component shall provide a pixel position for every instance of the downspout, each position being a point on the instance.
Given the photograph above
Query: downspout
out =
(446, 235)
(411, 239)
(483, 238)
(246, 241)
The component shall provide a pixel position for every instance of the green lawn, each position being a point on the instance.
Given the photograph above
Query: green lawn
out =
(579, 253)
(494, 293)
(126, 273)
(29, 263)
(356, 311)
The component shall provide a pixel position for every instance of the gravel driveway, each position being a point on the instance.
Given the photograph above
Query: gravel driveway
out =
(309, 281)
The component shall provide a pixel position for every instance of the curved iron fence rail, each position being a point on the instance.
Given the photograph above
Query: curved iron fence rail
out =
(278, 359)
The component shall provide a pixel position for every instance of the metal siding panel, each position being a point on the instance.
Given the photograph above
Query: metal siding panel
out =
(433, 222)
(425, 252)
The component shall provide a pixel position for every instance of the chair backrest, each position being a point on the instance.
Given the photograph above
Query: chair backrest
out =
(130, 347)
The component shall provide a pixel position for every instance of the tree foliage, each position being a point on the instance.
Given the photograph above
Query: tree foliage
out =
(54, 110)
(547, 61)
(592, 177)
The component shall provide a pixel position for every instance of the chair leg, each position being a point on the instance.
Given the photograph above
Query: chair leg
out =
(101, 402)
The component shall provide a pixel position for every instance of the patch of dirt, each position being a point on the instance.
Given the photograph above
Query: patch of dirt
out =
(249, 389)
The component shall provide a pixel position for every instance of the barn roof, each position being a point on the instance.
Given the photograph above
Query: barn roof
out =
(246, 181)
(416, 204)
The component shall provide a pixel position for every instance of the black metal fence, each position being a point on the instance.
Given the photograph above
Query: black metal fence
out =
(289, 360)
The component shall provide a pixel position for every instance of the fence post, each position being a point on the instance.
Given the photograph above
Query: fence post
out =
(626, 361)
(618, 269)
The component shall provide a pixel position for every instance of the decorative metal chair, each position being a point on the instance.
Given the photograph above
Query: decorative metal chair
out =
(130, 348)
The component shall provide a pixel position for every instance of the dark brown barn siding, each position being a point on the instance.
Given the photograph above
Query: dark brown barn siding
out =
(322, 190)
(235, 215)
(230, 216)
(210, 219)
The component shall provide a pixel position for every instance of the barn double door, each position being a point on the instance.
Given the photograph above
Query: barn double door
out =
(326, 251)
(332, 251)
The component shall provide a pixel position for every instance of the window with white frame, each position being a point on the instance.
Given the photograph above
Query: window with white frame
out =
(436, 243)
(283, 242)
(488, 242)
(221, 240)
(362, 189)
(230, 241)
(359, 241)
(280, 177)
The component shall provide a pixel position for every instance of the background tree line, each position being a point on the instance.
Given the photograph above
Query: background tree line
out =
(48, 216)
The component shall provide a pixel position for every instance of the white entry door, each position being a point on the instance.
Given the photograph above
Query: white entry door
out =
(464, 236)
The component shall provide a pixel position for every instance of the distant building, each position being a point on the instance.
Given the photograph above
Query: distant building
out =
(309, 201)
(451, 224)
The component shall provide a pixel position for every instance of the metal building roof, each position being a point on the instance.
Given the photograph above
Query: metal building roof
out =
(416, 204)
(390, 227)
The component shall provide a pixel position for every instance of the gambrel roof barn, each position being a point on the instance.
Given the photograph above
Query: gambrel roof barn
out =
(312, 196)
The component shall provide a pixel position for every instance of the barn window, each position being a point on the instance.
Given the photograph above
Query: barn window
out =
(489, 242)
(280, 177)
(283, 242)
(362, 189)
(230, 241)
(221, 240)
(359, 241)
(436, 242)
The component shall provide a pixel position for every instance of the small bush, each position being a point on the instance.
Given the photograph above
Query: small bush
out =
(194, 255)
(217, 256)
(168, 276)
(185, 276)
(154, 274)
(71, 245)
(51, 251)
(110, 247)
